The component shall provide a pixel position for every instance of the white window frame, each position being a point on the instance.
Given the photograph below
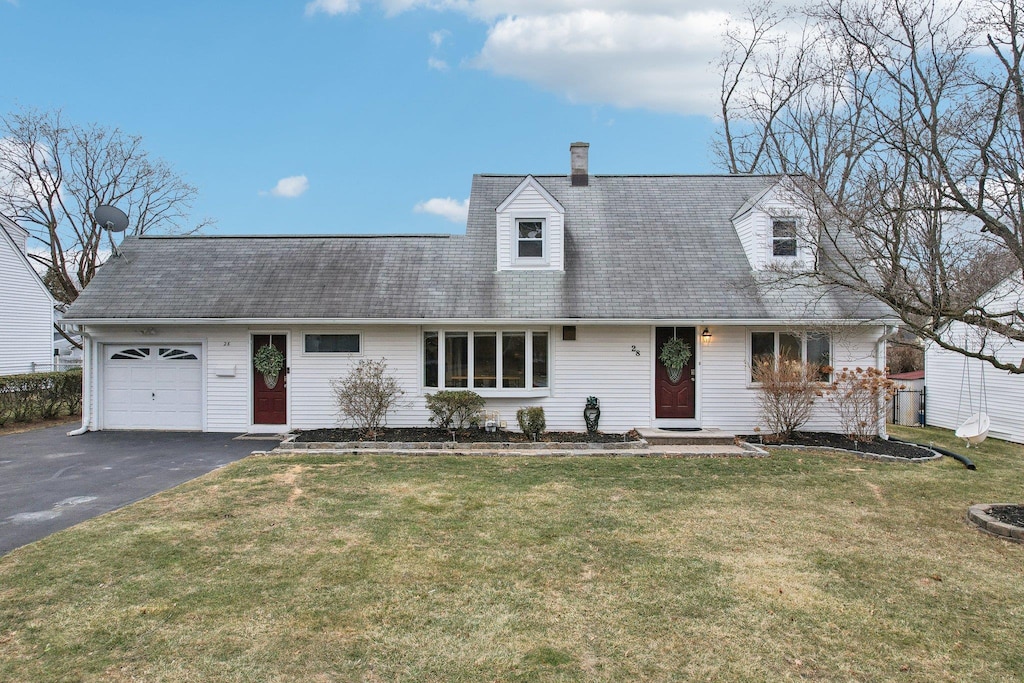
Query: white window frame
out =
(499, 390)
(772, 239)
(530, 260)
(802, 335)
(332, 354)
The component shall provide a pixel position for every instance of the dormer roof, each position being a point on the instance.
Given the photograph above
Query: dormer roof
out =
(530, 182)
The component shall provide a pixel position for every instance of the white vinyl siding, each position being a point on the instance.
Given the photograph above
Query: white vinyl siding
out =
(26, 315)
(612, 362)
(948, 406)
(530, 204)
(755, 230)
(729, 401)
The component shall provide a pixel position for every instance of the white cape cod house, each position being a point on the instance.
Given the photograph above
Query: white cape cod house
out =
(563, 287)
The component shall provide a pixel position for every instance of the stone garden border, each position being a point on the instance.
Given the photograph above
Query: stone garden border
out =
(978, 515)
(867, 456)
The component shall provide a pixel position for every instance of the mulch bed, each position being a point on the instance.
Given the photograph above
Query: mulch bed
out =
(431, 434)
(876, 446)
(1008, 514)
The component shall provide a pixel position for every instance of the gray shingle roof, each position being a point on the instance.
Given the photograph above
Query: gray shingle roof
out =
(637, 247)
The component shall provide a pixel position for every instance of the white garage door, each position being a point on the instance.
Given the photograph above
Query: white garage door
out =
(153, 387)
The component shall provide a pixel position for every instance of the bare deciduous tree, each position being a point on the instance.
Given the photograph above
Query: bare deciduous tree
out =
(901, 124)
(53, 175)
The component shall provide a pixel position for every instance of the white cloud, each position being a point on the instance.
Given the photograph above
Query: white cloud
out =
(437, 64)
(650, 61)
(437, 38)
(290, 187)
(651, 54)
(451, 209)
(332, 7)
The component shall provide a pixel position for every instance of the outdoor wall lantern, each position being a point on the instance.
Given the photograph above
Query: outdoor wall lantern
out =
(705, 336)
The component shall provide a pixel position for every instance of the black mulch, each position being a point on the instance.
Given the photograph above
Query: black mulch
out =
(1008, 514)
(418, 434)
(876, 446)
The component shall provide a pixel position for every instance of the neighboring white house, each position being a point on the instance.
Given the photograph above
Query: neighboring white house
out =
(26, 312)
(563, 287)
(956, 386)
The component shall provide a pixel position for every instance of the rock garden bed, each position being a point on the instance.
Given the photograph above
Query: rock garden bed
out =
(876, 448)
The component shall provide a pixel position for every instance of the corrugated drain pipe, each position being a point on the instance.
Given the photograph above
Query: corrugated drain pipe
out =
(956, 456)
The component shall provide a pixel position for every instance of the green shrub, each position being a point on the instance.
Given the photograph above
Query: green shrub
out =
(40, 395)
(457, 409)
(531, 421)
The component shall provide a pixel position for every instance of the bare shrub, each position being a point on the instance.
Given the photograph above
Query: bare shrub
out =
(786, 395)
(366, 395)
(859, 396)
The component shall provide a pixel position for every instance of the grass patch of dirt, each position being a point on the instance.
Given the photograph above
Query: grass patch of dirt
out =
(804, 565)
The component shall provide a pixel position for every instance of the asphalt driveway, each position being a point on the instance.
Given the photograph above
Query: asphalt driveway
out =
(50, 481)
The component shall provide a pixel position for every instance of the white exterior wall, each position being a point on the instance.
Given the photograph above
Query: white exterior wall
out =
(948, 406)
(754, 229)
(26, 314)
(600, 362)
(613, 362)
(530, 203)
(729, 400)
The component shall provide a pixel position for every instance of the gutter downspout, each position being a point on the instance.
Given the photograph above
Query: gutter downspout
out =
(87, 366)
(890, 331)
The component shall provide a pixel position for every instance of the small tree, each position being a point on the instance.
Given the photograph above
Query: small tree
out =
(787, 391)
(366, 395)
(859, 396)
(454, 408)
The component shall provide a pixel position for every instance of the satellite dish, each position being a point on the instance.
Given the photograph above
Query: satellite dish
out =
(111, 218)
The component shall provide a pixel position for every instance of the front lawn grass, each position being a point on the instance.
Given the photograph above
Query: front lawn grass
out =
(798, 566)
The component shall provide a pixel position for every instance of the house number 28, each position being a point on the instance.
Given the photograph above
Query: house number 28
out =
(636, 350)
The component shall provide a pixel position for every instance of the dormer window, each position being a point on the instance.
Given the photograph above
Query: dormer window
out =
(530, 229)
(783, 237)
(530, 238)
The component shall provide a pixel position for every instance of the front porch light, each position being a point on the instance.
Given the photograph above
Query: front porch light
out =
(705, 336)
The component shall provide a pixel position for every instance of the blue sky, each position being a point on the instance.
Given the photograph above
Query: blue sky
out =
(381, 106)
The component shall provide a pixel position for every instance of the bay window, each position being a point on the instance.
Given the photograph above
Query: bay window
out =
(487, 359)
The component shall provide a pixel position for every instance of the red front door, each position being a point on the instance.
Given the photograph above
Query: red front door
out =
(675, 400)
(270, 403)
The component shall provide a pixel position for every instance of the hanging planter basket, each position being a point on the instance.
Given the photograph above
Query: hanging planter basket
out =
(268, 361)
(675, 354)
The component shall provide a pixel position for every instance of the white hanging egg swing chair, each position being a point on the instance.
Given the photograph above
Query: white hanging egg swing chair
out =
(975, 429)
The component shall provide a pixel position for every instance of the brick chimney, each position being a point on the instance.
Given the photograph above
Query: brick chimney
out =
(578, 153)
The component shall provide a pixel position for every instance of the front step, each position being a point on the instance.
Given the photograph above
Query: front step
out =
(700, 437)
